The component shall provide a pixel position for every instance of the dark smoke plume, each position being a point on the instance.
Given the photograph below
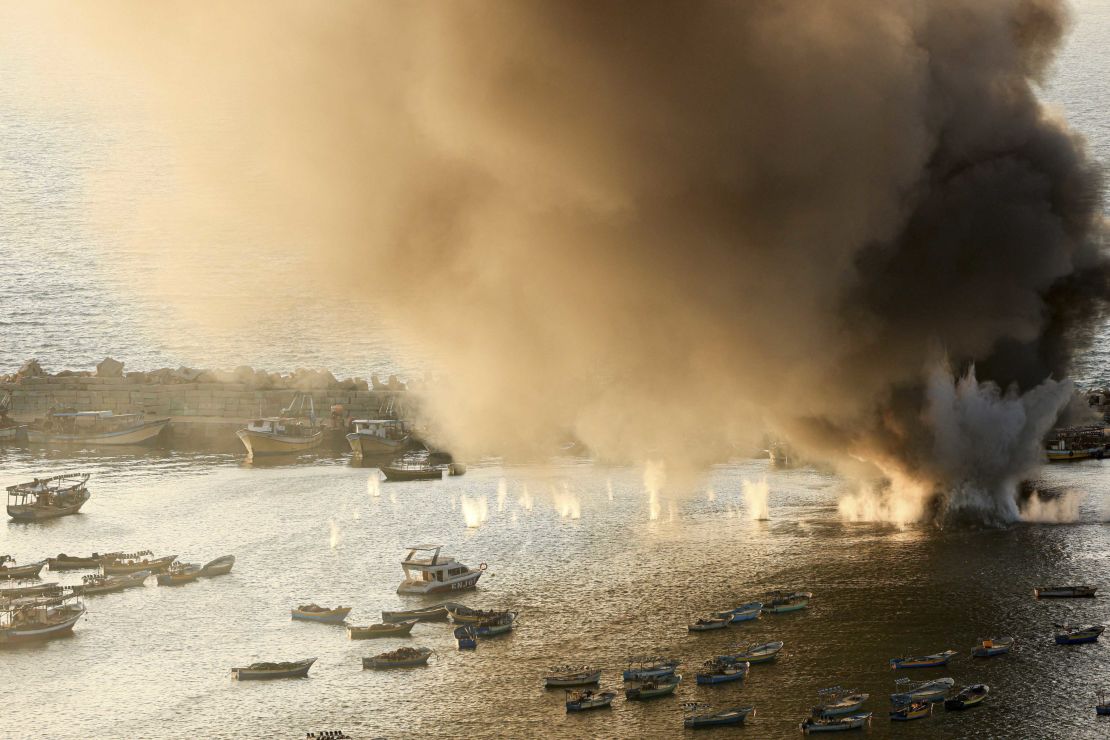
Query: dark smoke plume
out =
(664, 227)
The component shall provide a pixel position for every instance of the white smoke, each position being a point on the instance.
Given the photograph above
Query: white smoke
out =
(655, 477)
(1059, 509)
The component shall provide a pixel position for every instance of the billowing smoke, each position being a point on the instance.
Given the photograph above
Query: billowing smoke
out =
(665, 227)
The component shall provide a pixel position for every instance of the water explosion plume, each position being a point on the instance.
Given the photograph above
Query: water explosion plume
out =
(664, 227)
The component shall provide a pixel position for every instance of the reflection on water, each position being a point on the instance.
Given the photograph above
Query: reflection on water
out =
(593, 586)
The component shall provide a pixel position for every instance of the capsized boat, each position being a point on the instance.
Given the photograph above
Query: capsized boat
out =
(378, 437)
(696, 716)
(39, 618)
(1068, 635)
(705, 625)
(1102, 707)
(835, 724)
(837, 701)
(652, 688)
(567, 676)
(768, 651)
(717, 671)
(134, 562)
(396, 629)
(95, 428)
(991, 646)
(743, 613)
(466, 638)
(909, 712)
(267, 671)
(68, 562)
(429, 614)
(405, 657)
(969, 696)
(1065, 592)
(316, 613)
(581, 701)
(436, 573)
(648, 666)
(913, 691)
(48, 498)
(221, 566)
(178, 574)
(9, 570)
(922, 661)
(787, 601)
(494, 626)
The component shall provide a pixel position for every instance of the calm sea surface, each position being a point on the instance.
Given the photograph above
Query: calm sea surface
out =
(572, 546)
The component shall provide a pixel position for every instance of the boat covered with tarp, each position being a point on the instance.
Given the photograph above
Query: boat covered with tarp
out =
(266, 671)
(405, 657)
(436, 613)
(317, 613)
(36, 618)
(48, 498)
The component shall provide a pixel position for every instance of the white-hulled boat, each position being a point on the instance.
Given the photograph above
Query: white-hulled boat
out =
(278, 435)
(400, 658)
(764, 653)
(780, 602)
(221, 566)
(837, 701)
(835, 724)
(95, 428)
(378, 437)
(706, 625)
(494, 626)
(97, 584)
(992, 646)
(316, 613)
(39, 618)
(582, 701)
(436, 573)
(562, 677)
(267, 671)
(922, 661)
(437, 613)
(912, 691)
(48, 498)
(374, 631)
(743, 613)
(9, 570)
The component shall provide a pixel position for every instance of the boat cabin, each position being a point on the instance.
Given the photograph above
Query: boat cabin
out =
(281, 426)
(434, 568)
(392, 429)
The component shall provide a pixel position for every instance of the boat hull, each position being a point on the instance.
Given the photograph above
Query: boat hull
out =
(136, 435)
(334, 616)
(261, 444)
(406, 474)
(15, 635)
(435, 587)
(836, 725)
(643, 694)
(569, 682)
(31, 570)
(839, 710)
(710, 679)
(249, 674)
(367, 445)
(177, 579)
(708, 627)
(784, 608)
(1069, 592)
(56, 564)
(1090, 453)
(401, 629)
(377, 664)
(437, 614)
(720, 719)
(154, 566)
(636, 674)
(35, 513)
(603, 701)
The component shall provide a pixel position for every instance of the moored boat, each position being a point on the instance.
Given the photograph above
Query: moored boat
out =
(316, 613)
(922, 661)
(277, 435)
(97, 428)
(48, 498)
(582, 701)
(1076, 443)
(652, 688)
(9, 593)
(566, 676)
(696, 716)
(913, 691)
(969, 696)
(1102, 703)
(119, 564)
(408, 470)
(1065, 592)
(837, 701)
(178, 574)
(781, 602)
(429, 614)
(466, 638)
(267, 671)
(743, 613)
(221, 566)
(405, 657)
(991, 646)
(97, 584)
(494, 626)
(1068, 635)
(378, 437)
(717, 671)
(909, 712)
(835, 724)
(648, 666)
(9, 570)
(705, 625)
(436, 573)
(764, 653)
(39, 618)
(396, 629)
(466, 615)
(67, 562)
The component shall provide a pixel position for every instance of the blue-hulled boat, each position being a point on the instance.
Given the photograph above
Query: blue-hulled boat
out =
(992, 646)
(696, 716)
(581, 701)
(835, 724)
(722, 671)
(314, 613)
(466, 637)
(838, 701)
(914, 691)
(764, 653)
(495, 626)
(648, 666)
(1078, 635)
(652, 688)
(923, 661)
(742, 613)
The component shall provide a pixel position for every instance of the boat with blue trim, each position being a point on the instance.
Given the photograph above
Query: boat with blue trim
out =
(466, 638)
(405, 657)
(914, 691)
(742, 613)
(316, 613)
(566, 676)
(764, 653)
(922, 661)
(494, 626)
(992, 646)
(787, 601)
(697, 718)
(268, 671)
(1078, 635)
(705, 625)
(835, 724)
(838, 701)
(717, 671)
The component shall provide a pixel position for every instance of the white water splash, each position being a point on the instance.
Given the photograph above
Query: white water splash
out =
(454, 503)
(1059, 509)
(710, 495)
(609, 487)
(475, 511)
(356, 514)
(392, 497)
(655, 477)
(755, 498)
(566, 502)
(525, 499)
(374, 485)
(502, 492)
(336, 535)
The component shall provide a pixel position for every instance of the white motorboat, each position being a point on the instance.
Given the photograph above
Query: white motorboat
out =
(436, 573)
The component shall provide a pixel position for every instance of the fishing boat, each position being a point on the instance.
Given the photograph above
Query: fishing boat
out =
(436, 573)
(280, 435)
(9, 570)
(134, 562)
(838, 701)
(9, 428)
(909, 712)
(267, 671)
(566, 676)
(648, 666)
(221, 566)
(1078, 635)
(138, 578)
(582, 701)
(48, 498)
(705, 625)
(465, 615)
(783, 601)
(397, 629)
(914, 691)
(969, 696)
(315, 613)
(10, 593)
(67, 562)
(96, 428)
(764, 653)
(378, 437)
(430, 614)
(697, 718)
(992, 646)
(1102, 707)
(495, 625)
(717, 671)
(922, 661)
(406, 469)
(835, 724)
(39, 618)
(178, 574)
(466, 638)
(1065, 592)
(405, 657)
(1076, 443)
(743, 613)
(652, 688)
(95, 585)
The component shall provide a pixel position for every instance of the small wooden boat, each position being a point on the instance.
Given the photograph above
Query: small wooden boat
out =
(838, 701)
(267, 671)
(704, 625)
(922, 661)
(39, 618)
(11, 593)
(405, 657)
(764, 653)
(836, 724)
(466, 638)
(179, 574)
(66, 562)
(465, 615)
(582, 701)
(648, 666)
(121, 564)
(653, 688)
(315, 613)
(969, 696)
(396, 629)
(743, 613)
(494, 626)
(221, 566)
(783, 601)
(431, 614)
(909, 712)
(1065, 592)
(992, 646)
(1078, 635)
(412, 467)
(697, 718)
(9, 570)
(48, 498)
(95, 585)
(722, 671)
(928, 691)
(562, 677)
(1102, 707)
(96, 428)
